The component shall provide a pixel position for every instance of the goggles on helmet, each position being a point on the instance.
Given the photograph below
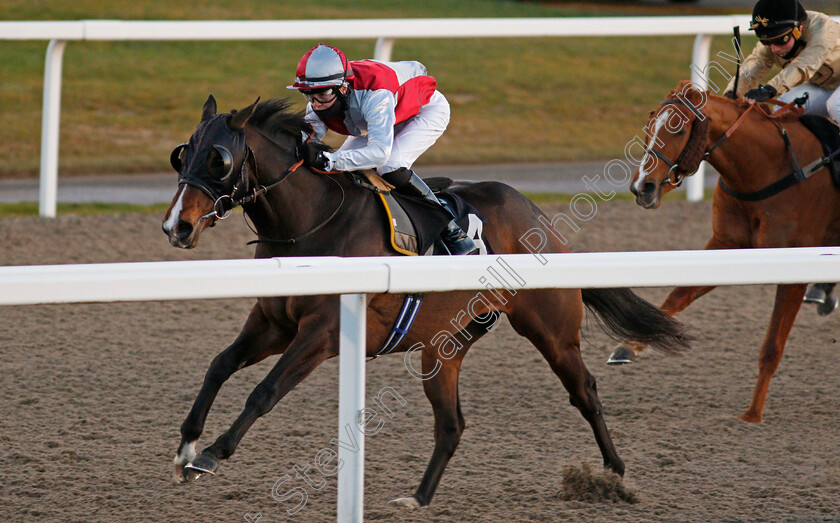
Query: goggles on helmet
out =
(322, 96)
(777, 40)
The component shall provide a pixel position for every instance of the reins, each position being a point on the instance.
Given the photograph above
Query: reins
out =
(308, 233)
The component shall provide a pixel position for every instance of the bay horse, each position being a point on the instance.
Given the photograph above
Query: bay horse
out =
(249, 157)
(760, 200)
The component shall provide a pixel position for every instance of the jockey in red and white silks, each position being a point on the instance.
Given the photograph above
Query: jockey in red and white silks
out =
(391, 113)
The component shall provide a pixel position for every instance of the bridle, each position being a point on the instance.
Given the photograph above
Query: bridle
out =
(696, 134)
(674, 167)
(224, 204)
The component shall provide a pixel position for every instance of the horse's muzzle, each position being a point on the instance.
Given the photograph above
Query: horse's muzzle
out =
(182, 235)
(649, 195)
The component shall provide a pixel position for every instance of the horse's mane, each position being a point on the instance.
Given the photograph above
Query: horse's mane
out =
(273, 117)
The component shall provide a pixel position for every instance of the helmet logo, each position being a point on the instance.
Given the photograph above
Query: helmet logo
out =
(762, 21)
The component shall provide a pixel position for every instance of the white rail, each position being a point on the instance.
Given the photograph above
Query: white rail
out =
(384, 30)
(355, 277)
(332, 275)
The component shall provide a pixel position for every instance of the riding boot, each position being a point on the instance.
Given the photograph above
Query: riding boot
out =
(454, 238)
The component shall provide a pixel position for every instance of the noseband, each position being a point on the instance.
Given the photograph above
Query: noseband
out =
(699, 130)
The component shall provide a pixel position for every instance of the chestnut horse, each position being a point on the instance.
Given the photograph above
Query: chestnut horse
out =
(248, 158)
(759, 201)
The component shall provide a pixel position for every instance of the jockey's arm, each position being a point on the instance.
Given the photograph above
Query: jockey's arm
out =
(755, 66)
(378, 108)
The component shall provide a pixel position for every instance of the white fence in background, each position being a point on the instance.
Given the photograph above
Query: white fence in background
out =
(355, 277)
(386, 31)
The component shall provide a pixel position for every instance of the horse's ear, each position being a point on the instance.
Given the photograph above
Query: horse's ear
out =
(209, 109)
(681, 86)
(237, 121)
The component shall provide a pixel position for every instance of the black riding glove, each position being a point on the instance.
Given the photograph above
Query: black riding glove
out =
(313, 155)
(762, 93)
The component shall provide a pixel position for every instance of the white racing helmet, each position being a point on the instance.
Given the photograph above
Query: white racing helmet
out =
(322, 67)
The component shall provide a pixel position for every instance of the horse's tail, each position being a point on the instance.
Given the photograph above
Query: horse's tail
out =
(626, 316)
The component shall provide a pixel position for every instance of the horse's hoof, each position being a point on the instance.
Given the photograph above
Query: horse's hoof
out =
(621, 356)
(828, 306)
(185, 475)
(410, 503)
(750, 417)
(815, 294)
(201, 464)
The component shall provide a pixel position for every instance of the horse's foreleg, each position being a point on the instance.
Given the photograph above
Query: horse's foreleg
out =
(788, 301)
(303, 355)
(442, 391)
(257, 340)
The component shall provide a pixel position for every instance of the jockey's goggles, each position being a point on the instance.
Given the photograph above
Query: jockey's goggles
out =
(778, 40)
(322, 96)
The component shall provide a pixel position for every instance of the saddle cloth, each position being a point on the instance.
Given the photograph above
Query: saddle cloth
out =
(829, 136)
(415, 224)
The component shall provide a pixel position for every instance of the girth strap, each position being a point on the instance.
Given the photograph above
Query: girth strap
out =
(797, 176)
(763, 193)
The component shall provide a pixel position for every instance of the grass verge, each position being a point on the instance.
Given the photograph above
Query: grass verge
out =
(125, 105)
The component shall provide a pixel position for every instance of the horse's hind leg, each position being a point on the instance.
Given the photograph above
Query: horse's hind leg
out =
(554, 328)
(788, 301)
(257, 340)
(441, 389)
(822, 294)
(677, 301)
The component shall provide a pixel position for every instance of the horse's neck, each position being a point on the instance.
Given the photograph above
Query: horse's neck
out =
(329, 207)
(295, 205)
(754, 155)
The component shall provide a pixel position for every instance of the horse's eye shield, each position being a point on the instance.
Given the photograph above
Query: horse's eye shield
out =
(219, 160)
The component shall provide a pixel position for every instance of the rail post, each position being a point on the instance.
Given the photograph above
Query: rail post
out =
(383, 49)
(48, 192)
(351, 402)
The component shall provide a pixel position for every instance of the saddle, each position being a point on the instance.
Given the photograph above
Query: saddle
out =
(415, 225)
(829, 136)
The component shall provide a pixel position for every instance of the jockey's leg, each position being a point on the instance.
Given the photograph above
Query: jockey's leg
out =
(826, 103)
(817, 98)
(407, 182)
(832, 107)
(412, 138)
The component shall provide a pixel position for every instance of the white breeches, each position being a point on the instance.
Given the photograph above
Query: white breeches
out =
(413, 136)
(822, 102)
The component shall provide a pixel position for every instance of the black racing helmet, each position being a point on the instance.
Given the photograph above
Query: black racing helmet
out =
(778, 20)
